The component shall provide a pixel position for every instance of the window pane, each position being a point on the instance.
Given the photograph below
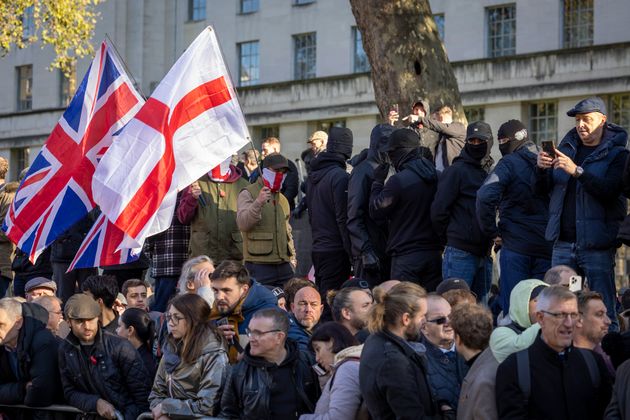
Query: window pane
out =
(326, 125)
(28, 23)
(501, 30)
(361, 63)
(269, 131)
(25, 87)
(248, 63)
(475, 114)
(439, 22)
(543, 122)
(578, 23)
(620, 109)
(67, 88)
(305, 55)
(249, 6)
(196, 9)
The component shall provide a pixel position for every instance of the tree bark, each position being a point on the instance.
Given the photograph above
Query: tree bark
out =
(407, 57)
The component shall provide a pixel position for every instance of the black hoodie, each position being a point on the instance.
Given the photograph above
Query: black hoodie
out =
(405, 201)
(453, 211)
(327, 200)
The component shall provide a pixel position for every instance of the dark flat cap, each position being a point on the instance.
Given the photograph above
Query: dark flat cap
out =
(592, 104)
(81, 306)
(451, 284)
(275, 161)
(40, 283)
(355, 282)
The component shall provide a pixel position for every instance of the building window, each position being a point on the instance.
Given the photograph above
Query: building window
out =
(475, 113)
(25, 87)
(249, 6)
(620, 109)
(19, 161)
(439, 22)
(269, 131)
(248, 67)
(326, 125)
(304, 60)
(543, 121)
(578, 23)
(196, 10)
(28, 23)
(301, 2)
(501, 30)
(361, 63)
(67, 88)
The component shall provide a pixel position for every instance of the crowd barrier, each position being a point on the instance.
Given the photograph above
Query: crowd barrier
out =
(62, 409)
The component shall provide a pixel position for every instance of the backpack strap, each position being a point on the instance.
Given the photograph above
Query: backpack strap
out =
(522, 371)
(591, 365)
(347, 359)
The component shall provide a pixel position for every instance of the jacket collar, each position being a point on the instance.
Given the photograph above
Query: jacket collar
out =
(613, 136)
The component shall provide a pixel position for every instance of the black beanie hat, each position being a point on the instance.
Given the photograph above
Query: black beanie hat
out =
(275, 161)
(513, 130)
(340, 141)
(403, 138)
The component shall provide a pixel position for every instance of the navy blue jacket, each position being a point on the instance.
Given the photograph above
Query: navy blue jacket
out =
(523, 214)
(327, 199)
(453, 209)
(600, 207)
(445, 373)
(301, 337)
(405, 200)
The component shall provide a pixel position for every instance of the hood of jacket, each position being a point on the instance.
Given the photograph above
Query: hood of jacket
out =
(356, 159)
(324, 162)
(353, 352)
(258, 297)
(421, 167)
(519, 301)
(259, 362)
(378, 139)
(614, 135)
(35, 318)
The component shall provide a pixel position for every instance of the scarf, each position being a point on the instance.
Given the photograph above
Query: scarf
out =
(273, 180)
(222, 171)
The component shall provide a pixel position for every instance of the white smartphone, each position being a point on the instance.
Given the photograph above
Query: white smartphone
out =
(575, 283)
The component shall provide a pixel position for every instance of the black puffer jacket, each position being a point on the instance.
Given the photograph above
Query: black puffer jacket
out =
(366, 233)
(113, 371)
(36, 363)
(327, 199)
(405, 201)
(247, 393)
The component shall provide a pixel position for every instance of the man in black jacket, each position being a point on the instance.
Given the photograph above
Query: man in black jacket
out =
(274, 380)
(454, 218)
(368, 237)
(327, 199)
(405, 201)
(100, 372)
(564, 382)
(393, 373)
(28, 356)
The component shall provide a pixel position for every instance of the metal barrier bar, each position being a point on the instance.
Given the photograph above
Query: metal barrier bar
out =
(60, 409)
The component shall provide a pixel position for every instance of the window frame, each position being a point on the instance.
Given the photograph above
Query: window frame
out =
(440, 27)
(310, 73)
(500, 35)
(535, 134)
(240, 45)
(254, 9)
(570, 39)
(357, 42)
(199, 6)
(25, 104)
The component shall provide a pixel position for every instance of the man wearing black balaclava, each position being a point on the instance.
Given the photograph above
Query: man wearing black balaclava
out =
(405, 202)
(523, 214)
(467, 253)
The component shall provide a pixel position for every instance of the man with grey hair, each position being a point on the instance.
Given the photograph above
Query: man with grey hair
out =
(563, 381)
(55, 315)
(273, 377)
(559, 274)
(29, 373)
(195, 278)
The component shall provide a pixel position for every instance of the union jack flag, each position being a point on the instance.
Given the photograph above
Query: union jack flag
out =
(57, 190)
(99, 248)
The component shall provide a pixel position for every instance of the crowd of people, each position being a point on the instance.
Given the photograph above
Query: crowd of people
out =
(401, 319)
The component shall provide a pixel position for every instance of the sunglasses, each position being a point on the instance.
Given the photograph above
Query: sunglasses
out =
(439, 321)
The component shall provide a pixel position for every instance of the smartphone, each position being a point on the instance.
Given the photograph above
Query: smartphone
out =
(549, 148)
(319, 370)
(575, 283)
(394, 108)
(225, 321)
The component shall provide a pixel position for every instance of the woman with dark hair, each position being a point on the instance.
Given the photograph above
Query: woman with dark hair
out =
(137, 326)
(190, 375)
(338, 353)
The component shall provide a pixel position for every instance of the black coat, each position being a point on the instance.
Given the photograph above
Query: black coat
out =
(114, 371)
(393, 379)
(561, 386)
(248, 394)
(405, 201)
(453, 211)
(327, 200)
(68, 243)
(36, 363)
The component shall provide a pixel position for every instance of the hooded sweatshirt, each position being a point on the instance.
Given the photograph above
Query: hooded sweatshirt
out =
(504, 340)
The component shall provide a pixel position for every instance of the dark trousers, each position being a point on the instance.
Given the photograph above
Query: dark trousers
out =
(420, 267)
(270, 274)
(69, 283)
(124, 275)
(373, 277)
(165, 288)
(5, 282)
(331, 270)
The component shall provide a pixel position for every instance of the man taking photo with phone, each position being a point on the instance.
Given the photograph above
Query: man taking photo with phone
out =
(586, 206)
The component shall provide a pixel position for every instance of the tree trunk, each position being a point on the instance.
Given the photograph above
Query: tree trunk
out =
(407, 57)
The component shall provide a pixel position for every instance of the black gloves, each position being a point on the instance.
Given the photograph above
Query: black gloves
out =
(380, 172)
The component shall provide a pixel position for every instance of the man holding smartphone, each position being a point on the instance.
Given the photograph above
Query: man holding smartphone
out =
(586, 207)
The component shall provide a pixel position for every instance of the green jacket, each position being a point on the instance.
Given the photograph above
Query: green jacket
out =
(213, 230)
(266, 231)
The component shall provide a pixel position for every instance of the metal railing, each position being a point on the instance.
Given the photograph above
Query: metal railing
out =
(58, 408)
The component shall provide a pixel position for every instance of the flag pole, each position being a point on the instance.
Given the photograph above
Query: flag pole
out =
(124, 64)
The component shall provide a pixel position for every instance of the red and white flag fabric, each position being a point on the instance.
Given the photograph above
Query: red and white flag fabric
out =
(190, 124)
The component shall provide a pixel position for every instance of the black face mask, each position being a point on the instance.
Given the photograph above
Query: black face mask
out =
(510, 146)
(477, 151)
(398, 156)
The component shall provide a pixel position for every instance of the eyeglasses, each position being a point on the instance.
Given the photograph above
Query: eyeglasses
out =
(439, 321)
(257, 334)
(563, 315)
(173, 318)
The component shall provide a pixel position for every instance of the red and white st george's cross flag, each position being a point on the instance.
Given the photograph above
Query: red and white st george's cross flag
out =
(190, 124)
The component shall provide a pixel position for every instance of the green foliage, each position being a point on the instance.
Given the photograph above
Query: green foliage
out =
(65, 25)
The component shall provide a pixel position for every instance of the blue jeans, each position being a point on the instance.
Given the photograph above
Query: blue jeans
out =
(516, 267)
(477, 271)
(165, 287)
(598, 266)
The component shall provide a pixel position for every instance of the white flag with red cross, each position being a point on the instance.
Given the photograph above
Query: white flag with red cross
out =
(190, 124)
